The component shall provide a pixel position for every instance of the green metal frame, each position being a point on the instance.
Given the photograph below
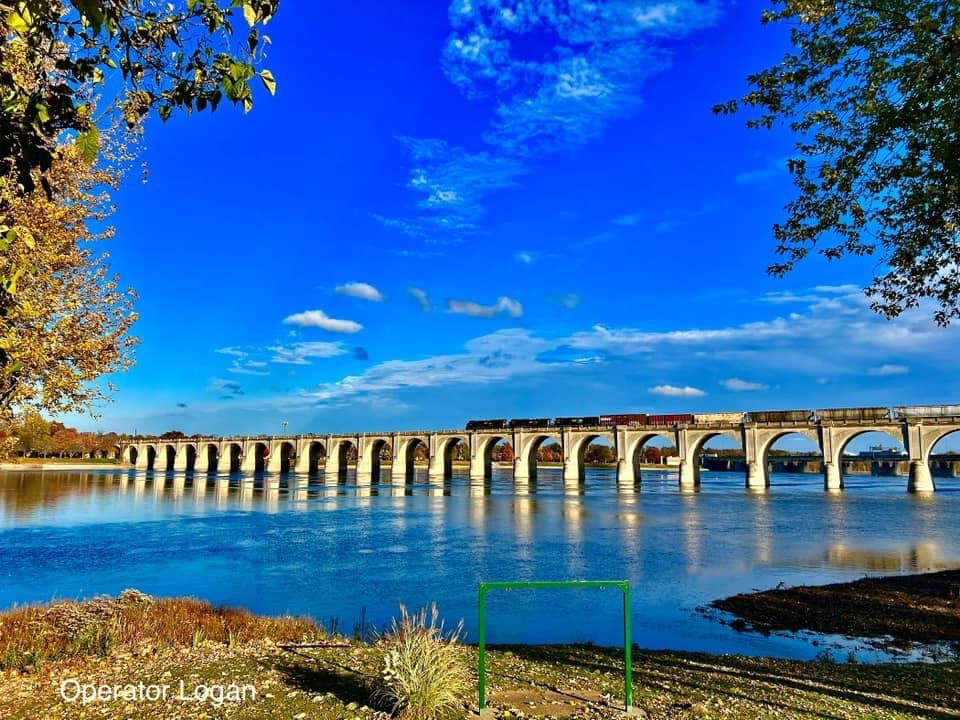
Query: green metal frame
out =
(624, 587)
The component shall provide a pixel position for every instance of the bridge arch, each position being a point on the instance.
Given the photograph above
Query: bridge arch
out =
(208, 457)
(942, 456)
(378, 451)
(168, 457)
(256, 458)
(634, 452)
(405, 458)
(316, 456)
(186, 458)
(487, 447)
(131, 454)
(528, 451)
(342, 452)
(934, 435)
(449, 449)
(151, 453)
(231, 458)
(578, 451)
(282, 456)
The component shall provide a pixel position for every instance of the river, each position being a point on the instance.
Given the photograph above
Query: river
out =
(343, 552)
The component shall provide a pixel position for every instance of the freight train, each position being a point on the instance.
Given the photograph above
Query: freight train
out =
(762, 417)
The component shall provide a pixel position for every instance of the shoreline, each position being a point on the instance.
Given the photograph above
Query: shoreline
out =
(893, 611)
(221, 662)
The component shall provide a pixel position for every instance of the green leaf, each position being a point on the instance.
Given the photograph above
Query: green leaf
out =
(88, 142)
(268, 82)
(91, 11)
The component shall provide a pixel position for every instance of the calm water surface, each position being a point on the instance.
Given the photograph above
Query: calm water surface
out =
(339, 551)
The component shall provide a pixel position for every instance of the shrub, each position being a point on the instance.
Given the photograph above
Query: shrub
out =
(422, 677)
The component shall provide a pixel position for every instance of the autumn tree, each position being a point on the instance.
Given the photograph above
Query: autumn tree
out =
(63, 317)
(69, 324)
(32, 434)
(871, 89)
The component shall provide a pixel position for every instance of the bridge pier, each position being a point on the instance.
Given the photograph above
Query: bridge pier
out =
(757, 476)
(920, 479)
(689, 474)
(571, 472)
(478, 467)
(626, 474)
(832, 476)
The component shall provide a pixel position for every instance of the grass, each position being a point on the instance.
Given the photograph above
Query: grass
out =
(422, 676)
(33, 635)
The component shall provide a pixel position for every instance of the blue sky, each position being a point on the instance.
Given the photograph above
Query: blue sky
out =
(476, 209)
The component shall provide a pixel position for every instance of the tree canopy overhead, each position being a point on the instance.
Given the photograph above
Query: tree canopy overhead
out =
(872, 91)
(75, 77)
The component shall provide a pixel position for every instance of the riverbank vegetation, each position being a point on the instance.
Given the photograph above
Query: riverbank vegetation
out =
(918, 608)
(300, 671)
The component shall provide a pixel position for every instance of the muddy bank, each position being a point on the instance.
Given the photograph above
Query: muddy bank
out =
(923, 608)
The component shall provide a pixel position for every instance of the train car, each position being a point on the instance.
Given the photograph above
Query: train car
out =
(628, 420)
(780, 416)
(530, 422)
(926, 411)
(716, 418)
(587, 421)
(669, 419)
(854, 414)
(497, 424)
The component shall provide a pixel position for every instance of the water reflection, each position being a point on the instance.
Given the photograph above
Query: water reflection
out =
(286, 543)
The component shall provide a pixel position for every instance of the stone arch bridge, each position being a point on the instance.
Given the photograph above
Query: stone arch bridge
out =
(330, 453)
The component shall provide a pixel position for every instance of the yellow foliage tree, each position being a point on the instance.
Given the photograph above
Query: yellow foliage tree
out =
(67, 319)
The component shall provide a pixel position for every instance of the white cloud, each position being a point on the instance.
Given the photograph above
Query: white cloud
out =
(503, 305)
(241, 364)
(674, 391)
(888, 369)
(738, 385)
(227, 389)
(524, 257)
(302, 353)
(361, 290)
(421, 297)
(570, 300)
(319, 319)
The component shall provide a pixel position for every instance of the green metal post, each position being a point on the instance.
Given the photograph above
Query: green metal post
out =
(482, 641)
(627, 650)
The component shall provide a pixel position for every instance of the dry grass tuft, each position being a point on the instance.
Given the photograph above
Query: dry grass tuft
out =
(422, 676)
(33, 635)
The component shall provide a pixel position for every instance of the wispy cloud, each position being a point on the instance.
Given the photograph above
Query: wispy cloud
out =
(361, 290)
(302, 353)
(570, 301)
(674, 391)
(888, 369)
(504, 304)
(242, 364)
(738, 385)
(524, 257)
(226, 389)
(591, 62)
(421, 297)
(774, 168)
(319, 319)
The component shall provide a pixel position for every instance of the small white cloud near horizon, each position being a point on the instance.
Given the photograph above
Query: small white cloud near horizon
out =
(361, 290)
(738, 385)
(319, 319)
(504, 304)
(674, 391)
(524, 257)
(887, 370)
(421, 297)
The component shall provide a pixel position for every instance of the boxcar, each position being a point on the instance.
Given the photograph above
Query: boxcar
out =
(930, 411)
(780, 416)
(669, 419)
(861, 413)
(629, 420)
(588, 421)
(734, 417)
(497, 424)
(530, 422)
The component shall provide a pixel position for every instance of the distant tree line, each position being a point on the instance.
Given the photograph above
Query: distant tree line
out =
(30, 435)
